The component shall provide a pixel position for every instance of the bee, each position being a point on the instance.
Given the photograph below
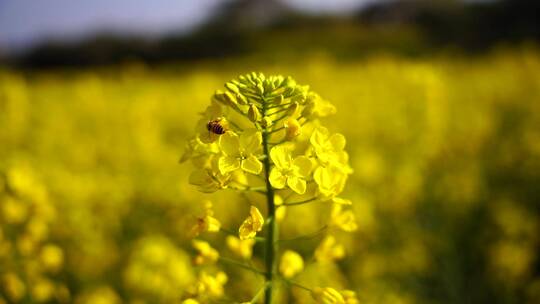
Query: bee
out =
(216, 126)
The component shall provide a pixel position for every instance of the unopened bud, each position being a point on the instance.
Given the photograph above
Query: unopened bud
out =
(309, 108)
(253, 113)
(266, 122)
(231, 86)
(242, 100)
(292, 128)
(260, 88)
(293, 109)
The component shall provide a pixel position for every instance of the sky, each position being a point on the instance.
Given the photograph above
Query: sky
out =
(24, 23)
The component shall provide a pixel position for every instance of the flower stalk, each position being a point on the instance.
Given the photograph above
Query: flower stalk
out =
(270, 245)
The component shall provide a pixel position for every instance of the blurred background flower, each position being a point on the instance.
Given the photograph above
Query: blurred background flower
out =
(439, 102)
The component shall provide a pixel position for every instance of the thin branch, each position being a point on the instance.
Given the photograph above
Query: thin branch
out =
(300, 202)
(280, 105)
(295, 284)
(307, 236)
(276, 130)
(241, 265)
(253, 189)
(259, 293)
(227, 231)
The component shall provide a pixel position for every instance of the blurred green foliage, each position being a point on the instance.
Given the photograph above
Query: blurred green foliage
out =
(446, 158)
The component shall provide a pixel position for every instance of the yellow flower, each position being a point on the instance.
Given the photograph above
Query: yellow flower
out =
(210, 179)
(291, 264)
(317, 107)
(206, 254)
(199, 152)
(190, 301)
(329, 149)
(242, 248)
(207, 222)
(327, 295)
(344, 220)
(252, 224)
(211, 286)
(289, 171)
(329, 250)
(330, 180)
(239, 152)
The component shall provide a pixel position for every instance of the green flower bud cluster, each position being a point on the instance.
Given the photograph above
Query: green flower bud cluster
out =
(263, 134)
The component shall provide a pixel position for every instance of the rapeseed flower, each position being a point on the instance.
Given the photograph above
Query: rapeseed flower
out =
(210, 179)
(329, 149)
(206, 223)
(239, 152)
(289, 171)
(330, 180)
(212, 286)
(343, 219)
(206, 254)
(251, 225)
(242, 248)
(329, 250)
(291, 264)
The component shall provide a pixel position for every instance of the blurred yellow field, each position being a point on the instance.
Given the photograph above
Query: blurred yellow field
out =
(95, 208)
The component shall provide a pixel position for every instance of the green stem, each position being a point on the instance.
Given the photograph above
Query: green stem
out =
(293, 283)
(270, 248)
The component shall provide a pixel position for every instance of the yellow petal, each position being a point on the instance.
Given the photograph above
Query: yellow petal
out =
(302, 166)
(281, 156)
(200, 178)
(277, 180)
(319, 137)
(229, 144)
(252, 165)
(297, 184)
(258, 219)
(245, 232)
(228, 164)
(250, 141)
(337, 141)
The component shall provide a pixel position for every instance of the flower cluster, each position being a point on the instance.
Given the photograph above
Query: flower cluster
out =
(31, 262)
(264, 135)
